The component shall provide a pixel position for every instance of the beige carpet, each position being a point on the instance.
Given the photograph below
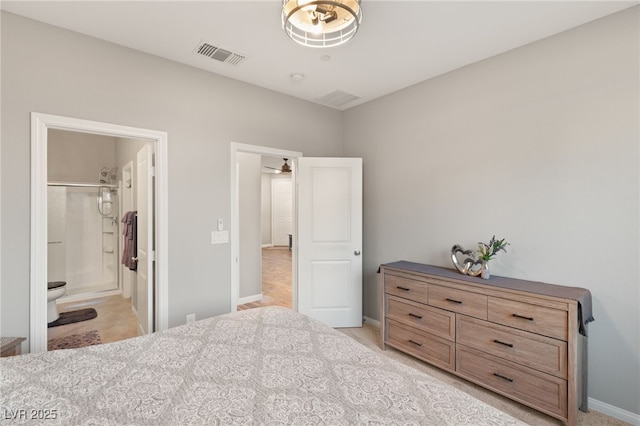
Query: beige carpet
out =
(369, 336)
(75, 341)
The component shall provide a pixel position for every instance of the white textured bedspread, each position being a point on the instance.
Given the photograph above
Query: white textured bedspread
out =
(262, 366)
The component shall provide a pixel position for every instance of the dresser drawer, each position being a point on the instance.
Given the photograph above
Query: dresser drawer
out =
(432, 320)
(528, 349)
(545, 392)
(406, 288)
(464, 302)
(536, 319)
(430, 348)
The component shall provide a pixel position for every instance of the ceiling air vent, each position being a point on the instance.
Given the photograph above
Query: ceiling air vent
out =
(218, 53)
(337, 99)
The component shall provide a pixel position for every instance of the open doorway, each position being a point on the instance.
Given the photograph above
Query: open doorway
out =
(276, 230)
(92, 188)
(261, 264)
(327, 242)
(42, 124)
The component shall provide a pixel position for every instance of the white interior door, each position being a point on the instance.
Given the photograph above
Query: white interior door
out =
(281, 211)
(145, 270)
(330, 240)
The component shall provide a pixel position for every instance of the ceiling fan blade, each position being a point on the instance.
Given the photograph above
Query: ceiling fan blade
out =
(285, 168)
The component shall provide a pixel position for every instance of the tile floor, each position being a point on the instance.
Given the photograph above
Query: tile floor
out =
(115, 320)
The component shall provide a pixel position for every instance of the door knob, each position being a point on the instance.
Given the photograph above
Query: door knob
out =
(357, 252)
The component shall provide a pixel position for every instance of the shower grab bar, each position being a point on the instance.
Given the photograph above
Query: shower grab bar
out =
(83, 185)
(54, 242)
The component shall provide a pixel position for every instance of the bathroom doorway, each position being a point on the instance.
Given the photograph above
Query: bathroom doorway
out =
(91, 189)
(44, 128)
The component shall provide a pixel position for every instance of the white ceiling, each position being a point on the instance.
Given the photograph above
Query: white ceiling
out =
(400, 43)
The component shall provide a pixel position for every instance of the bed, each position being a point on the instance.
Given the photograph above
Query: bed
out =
(267, 366)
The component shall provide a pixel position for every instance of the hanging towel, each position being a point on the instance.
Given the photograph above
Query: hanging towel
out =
(130, 234)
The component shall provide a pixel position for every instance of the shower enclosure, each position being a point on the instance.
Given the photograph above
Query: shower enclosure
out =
(83, 231)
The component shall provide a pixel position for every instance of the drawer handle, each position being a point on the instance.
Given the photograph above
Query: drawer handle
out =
(403, 288)
(415, 343)
(415, 316)
(453, 301)
(503, 377)
(502, 343)
(523, 317)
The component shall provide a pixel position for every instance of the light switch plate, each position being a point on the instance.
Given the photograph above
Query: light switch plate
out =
(219, 237)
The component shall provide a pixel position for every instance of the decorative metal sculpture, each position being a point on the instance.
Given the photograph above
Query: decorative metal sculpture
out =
(469, 265)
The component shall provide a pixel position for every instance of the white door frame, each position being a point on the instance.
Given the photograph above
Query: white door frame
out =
(235, 217)
(40, 124)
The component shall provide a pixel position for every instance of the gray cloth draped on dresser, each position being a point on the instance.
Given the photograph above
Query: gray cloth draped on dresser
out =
(581, 295)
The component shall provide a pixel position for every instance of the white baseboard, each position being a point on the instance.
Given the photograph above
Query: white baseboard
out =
(371, 321)
(615, 412)
(266, 245)
(249, 299)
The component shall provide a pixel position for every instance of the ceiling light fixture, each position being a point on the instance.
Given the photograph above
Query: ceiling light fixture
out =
(321, 23)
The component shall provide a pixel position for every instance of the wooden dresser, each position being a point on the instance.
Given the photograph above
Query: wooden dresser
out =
(523, 345)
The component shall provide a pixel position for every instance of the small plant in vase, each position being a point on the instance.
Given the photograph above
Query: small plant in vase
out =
(488, 251)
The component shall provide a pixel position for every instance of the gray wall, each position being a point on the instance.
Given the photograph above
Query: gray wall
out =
(51, 70)
(127, 150)
(78, 157)
(249, 215)
(539, 145)
(265, 207)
